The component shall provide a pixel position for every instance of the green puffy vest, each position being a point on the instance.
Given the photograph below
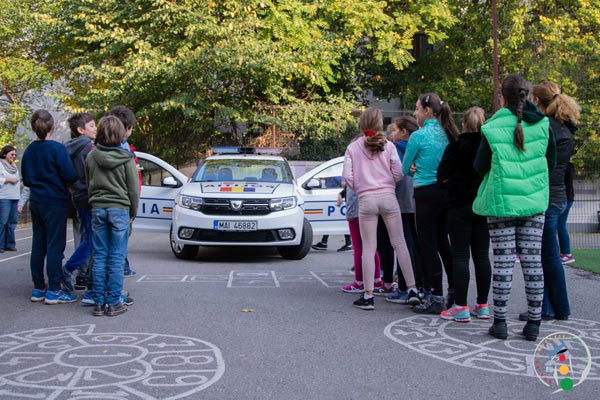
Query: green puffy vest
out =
(517, 183)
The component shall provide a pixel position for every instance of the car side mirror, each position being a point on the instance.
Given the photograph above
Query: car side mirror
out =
(169, 181)
(313, 183)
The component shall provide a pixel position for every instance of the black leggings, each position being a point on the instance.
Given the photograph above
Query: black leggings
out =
(431, 210)
(469, 235)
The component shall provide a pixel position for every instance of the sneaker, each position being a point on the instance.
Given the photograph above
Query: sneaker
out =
(87, 299)
(59, 297)
(344, 248)
(319, 246)
(431, 305)
(499, 330)
(456, 313)
(99, 310)
(407, 297)
(565, 258)
(116, 309)
(129, 273)
(518, 258)
(354, 288)
(67, 280)
(81, 282)
(364, 304)
(38, 295)
(481, 311)
(126, 300)
(382, 290)
(15, 249)
(378, 285)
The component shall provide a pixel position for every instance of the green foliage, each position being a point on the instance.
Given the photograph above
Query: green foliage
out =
(20, 70)
(193, 69)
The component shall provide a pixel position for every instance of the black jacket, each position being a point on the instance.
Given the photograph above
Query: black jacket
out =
(456, 171)
(564, 150)
(78, 149)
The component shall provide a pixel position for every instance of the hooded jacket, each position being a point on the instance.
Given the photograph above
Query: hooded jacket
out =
(368, 172)
(516, 182)
(79, 148)
(112, 179)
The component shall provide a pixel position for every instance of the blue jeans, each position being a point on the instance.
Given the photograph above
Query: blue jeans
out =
(49, 222)
(110, 228)
(84, 250)
(564, 240)
(556, 298)
(9, 218)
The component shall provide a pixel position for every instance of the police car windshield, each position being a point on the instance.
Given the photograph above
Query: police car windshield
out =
(244, 170)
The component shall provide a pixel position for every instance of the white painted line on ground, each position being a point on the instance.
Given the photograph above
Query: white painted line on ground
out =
(319, 279)
(22, 254)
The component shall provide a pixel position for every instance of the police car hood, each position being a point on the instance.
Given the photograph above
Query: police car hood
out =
(252, 189)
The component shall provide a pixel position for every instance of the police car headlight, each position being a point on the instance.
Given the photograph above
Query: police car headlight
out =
(284, 203)
(193, 203)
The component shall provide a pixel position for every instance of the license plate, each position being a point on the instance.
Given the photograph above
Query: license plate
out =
(235, 226)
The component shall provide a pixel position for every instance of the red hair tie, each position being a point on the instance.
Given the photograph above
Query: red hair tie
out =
(370, 132)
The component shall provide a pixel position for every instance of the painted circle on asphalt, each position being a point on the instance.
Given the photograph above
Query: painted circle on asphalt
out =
(77, 362)
(470, 345)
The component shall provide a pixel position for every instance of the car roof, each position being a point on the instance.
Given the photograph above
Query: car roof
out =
(244, 157)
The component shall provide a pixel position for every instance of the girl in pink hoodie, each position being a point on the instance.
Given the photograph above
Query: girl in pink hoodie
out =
(371, 168)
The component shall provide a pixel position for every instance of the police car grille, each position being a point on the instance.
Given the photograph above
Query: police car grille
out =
(223, 207)
(260, 236)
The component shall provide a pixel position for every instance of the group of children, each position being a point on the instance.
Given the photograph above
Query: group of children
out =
(441, 196)
(96, 171)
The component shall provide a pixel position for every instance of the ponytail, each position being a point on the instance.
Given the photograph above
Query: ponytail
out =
(518, 139)
(447, 122)
(376, 143)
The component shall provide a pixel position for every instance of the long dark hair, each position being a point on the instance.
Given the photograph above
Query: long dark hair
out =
(441, 110)
(515, 90)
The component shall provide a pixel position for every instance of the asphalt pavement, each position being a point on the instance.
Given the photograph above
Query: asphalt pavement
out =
(244, 323)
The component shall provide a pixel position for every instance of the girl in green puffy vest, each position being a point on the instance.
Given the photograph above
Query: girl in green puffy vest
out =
(516, 152)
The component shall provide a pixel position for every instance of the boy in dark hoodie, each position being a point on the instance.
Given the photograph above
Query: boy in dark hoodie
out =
(83, 133)
(113, 196)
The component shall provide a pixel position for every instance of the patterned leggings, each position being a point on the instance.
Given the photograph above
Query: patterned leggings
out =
(522, 235)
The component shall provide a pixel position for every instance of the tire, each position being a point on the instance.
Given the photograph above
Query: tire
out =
(182, 251)
(300, 251)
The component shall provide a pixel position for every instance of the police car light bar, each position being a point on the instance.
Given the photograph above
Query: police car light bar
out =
(245, 150)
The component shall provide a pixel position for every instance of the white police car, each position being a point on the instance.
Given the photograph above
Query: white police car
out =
(161, 183)
(242, 199)
(320, 188)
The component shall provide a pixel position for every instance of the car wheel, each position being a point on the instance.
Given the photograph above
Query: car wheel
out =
(182, 251)
(300, 251)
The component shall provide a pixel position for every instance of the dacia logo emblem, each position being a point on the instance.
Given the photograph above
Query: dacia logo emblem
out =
(236, 204)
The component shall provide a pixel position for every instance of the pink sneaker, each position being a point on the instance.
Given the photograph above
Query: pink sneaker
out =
(353, 288)
(457, 313)
(567, 258)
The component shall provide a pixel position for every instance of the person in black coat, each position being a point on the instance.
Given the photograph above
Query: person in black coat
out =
(468, 232)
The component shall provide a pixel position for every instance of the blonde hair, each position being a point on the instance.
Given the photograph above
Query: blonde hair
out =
(558, 105)
(111, 131)
(473, 119)
(372, 119)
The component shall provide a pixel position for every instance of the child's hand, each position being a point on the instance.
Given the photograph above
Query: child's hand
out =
(339, 201)
(20, 209)
(413, 169)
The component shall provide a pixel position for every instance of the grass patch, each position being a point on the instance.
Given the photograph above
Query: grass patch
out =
(587, 259)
